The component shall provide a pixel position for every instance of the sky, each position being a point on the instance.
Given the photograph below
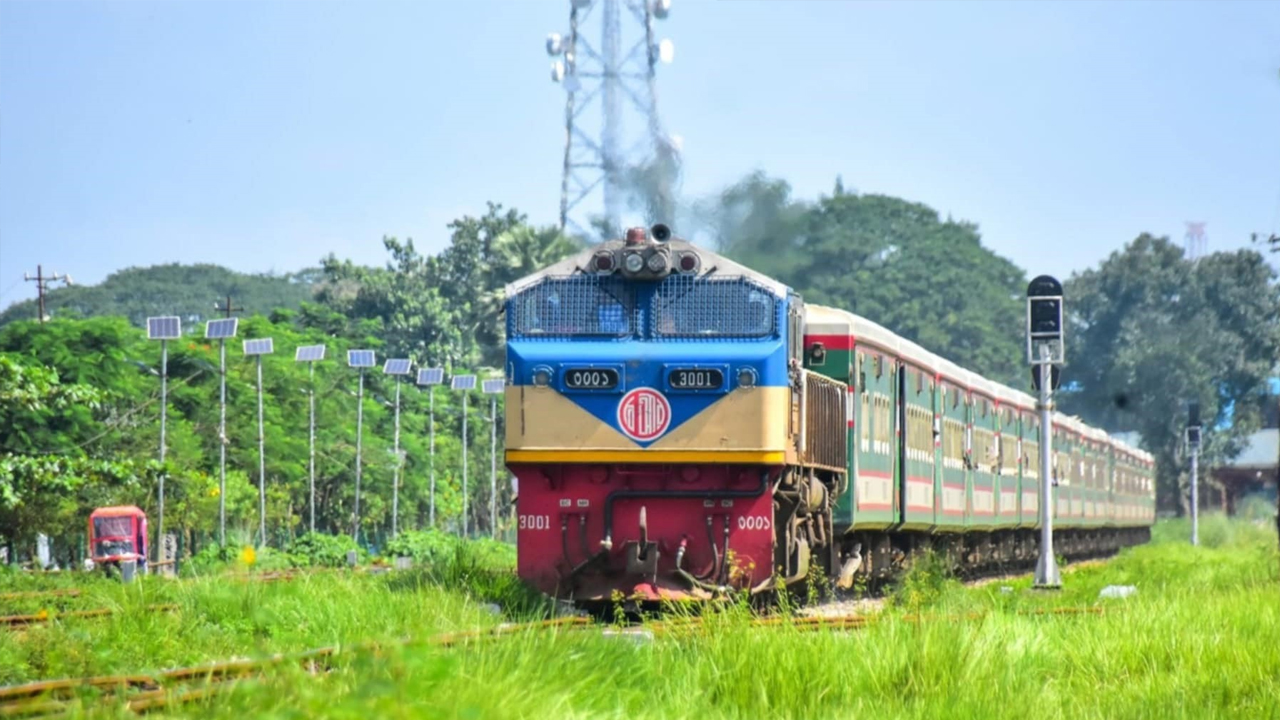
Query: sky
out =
(264, 136)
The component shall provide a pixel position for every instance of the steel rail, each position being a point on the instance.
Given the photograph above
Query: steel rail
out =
(45, 616)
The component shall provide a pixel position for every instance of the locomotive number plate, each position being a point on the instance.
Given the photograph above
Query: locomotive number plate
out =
(696, 379)
(591, 378)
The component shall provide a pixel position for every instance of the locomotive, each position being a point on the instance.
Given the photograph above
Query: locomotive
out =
(684, 427)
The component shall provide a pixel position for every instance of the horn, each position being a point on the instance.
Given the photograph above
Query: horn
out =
(661, 232)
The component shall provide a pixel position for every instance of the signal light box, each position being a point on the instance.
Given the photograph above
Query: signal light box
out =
(1045, 321)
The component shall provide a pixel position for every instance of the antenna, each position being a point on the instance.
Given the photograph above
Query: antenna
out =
(602, 84)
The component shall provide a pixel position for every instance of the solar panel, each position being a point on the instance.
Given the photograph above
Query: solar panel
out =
(430, 376)
(221, 329)
(309, 353)
(164, 328)
(259, 346)
(493, 387)
(397, 366)
(360, 358)
(463, 382)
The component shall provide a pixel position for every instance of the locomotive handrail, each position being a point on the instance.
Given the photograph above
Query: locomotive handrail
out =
(824, 431)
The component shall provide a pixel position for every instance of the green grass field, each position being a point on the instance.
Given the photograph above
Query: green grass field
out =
(1200, 638)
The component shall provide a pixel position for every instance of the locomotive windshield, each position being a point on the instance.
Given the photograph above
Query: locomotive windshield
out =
(574, 306)
(728, 307)
(677, 307)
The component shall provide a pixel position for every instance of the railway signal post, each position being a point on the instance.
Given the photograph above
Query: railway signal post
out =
(1045, 350)
(1193, 447)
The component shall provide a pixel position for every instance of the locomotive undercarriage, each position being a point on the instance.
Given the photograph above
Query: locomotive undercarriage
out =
(662, 534)
(881, 555)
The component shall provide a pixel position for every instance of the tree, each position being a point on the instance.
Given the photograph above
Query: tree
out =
(1154, 331)
(188, 291)
(48, 481)
(892, 261)
(445, 309)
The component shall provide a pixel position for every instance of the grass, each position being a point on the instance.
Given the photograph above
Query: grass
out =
(1200, 638)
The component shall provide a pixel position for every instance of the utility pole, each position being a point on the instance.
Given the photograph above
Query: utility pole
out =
(1193, 446)
(227, 308)
(42, 283)
(1045, 350)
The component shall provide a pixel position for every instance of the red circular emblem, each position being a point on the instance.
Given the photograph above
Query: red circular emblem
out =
(644, 414)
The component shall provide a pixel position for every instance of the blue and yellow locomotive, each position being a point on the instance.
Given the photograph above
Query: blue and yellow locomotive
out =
(681, 426)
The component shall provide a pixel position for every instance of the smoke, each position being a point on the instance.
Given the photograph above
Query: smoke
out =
(753, 217)
(652, 187)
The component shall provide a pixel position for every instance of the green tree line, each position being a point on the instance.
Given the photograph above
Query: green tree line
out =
(1149, 331)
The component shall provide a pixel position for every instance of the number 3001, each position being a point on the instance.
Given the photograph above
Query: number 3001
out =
(535, 522)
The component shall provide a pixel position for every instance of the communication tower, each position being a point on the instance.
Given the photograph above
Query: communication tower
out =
(1195, 240)
(615, 148)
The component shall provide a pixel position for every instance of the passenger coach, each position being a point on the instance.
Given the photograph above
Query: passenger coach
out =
(681, 425)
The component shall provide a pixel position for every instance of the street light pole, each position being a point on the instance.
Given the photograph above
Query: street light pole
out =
(355, 530)
(1193, 445)
(431, 396)
(257, 348)
(395, 485)
(163, 329)
(164, 414)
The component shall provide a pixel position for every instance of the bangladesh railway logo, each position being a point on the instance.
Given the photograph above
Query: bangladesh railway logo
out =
(644, 414)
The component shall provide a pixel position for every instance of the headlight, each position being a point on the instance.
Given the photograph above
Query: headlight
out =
(746, 377)
(657, 262)
(633, 262)
(541, 376)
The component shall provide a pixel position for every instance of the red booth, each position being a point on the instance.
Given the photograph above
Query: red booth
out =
(117, 534)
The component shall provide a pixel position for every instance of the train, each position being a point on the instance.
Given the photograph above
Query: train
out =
(682, 427)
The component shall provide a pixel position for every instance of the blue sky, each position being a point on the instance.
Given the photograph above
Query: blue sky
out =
(263, 136)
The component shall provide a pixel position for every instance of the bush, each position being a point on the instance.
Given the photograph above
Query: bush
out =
(325, 550)
(426, 547)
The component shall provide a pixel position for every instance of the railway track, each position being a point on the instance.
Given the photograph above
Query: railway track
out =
(141, 693)
(45, 616)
